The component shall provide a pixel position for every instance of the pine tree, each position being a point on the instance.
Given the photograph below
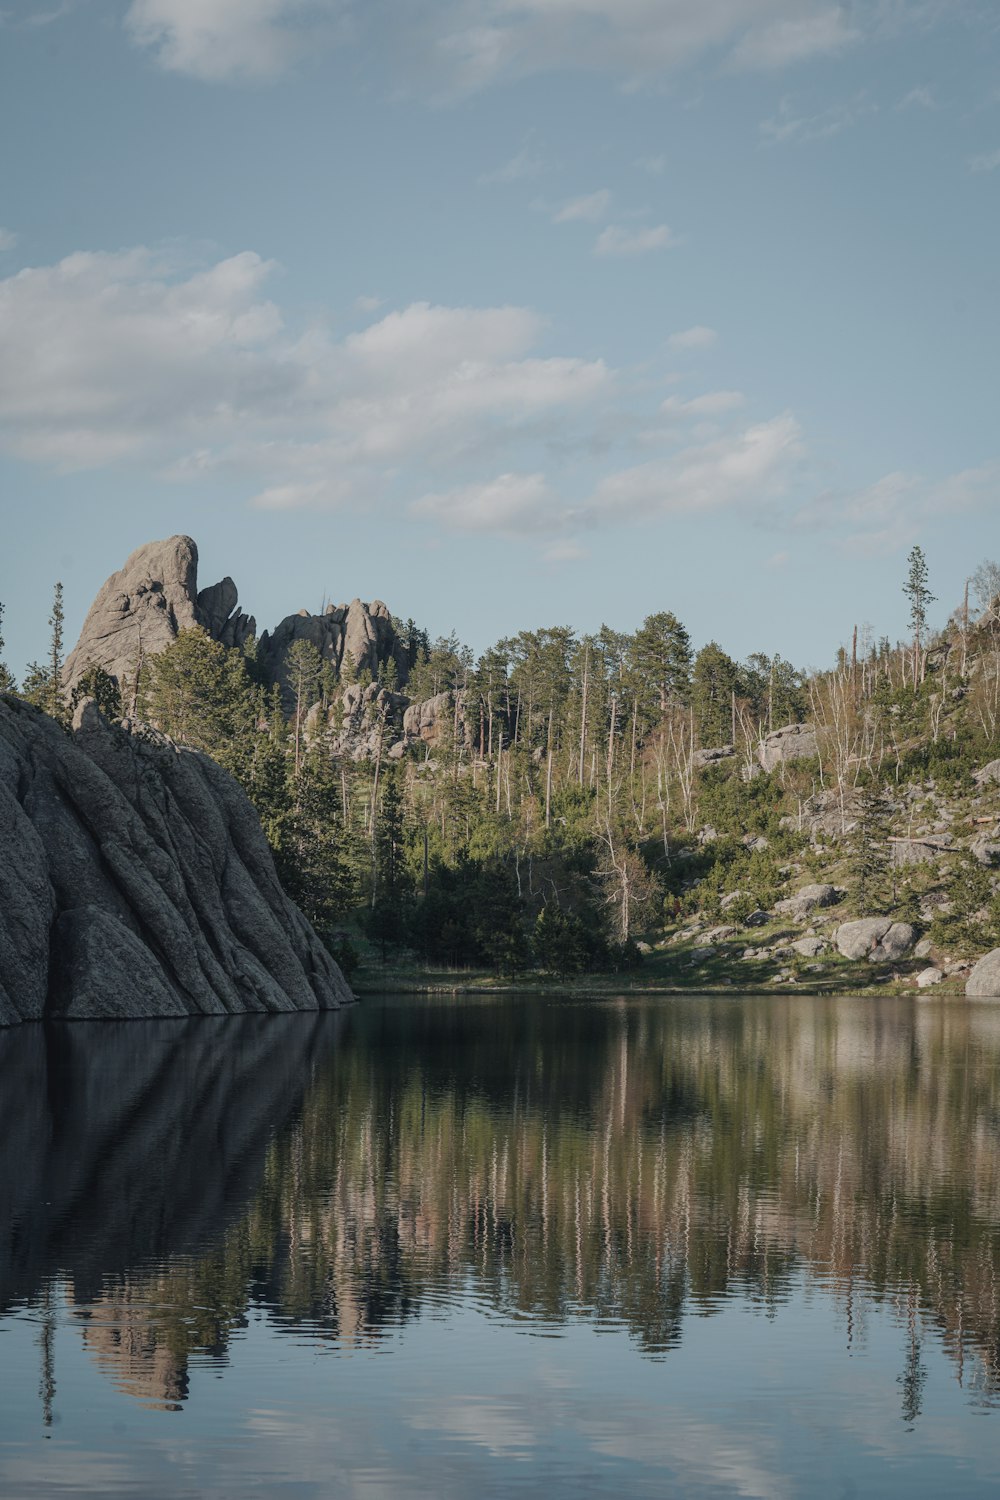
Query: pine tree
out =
(660, 657)
(7, 683)
(303, 669)
(98, 684)
(870, 858)
(918, 592)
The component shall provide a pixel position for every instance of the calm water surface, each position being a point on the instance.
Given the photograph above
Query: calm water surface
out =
(515, 1247)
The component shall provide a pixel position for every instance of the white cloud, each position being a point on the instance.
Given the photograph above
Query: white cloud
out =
(747, 468)
(655, 166)
(565, 552)
(918, 98)
(988, 161)
(127, 356)
(8, 239)
(511, 504)
(224, 39)
(589, 209)
(786, 125)
(629, 242)
(476, 43)
(794, 38)
(105, 354)
(523, 166)
(778, 560)
(711, 404)
(368, 304)
(698, 337)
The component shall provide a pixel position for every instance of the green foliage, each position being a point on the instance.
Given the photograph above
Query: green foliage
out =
(98, 684)
(971, 921)
(7, 682)
(870, 859)
(715, 682)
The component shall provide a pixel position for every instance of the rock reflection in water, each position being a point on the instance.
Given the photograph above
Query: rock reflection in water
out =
(634, 1164)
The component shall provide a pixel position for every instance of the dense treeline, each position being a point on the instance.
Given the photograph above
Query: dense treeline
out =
(565, 805)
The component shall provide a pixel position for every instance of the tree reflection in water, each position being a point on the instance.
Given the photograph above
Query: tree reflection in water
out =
(633, 1163)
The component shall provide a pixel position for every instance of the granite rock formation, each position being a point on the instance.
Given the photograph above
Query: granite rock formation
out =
(355, 636)
(879, 939)
(135, 881)
(142, 608)
(793, 742)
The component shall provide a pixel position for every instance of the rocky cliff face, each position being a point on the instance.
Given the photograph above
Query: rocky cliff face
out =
(135, 881)
(142, 608)
(355, 635)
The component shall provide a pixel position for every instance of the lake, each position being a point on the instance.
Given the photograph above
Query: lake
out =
(507, 1246)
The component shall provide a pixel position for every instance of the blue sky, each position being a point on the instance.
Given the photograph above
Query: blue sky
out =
(509, 312)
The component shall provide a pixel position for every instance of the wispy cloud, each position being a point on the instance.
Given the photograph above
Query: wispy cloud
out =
(698, 337)
(918, 98)
(616, 241)
(525, 165)
(590, 209)
(748, 468)
(988, 161)
(786, 125)
(510, 504)
(8, 239)
(711, 404)
(217, 40)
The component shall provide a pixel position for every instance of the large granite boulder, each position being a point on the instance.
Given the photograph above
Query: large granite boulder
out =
(879, 939)
(135, 880)
(988, 775)
(793, 742)
(984, 981)
(143, 607)
(808, 899)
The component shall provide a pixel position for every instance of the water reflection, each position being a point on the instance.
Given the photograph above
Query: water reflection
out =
(639, 1164)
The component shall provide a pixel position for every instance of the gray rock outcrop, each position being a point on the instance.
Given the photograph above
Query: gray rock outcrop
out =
(984, 981)
(142, 608)
(985, 850)
(135, 881)
(356, 636)
(793, 742)
(879, 939)
(988, 775)
(808, 899)
(712, 756)
(437, 722)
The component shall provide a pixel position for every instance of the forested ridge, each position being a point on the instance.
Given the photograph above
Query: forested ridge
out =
(567, 803)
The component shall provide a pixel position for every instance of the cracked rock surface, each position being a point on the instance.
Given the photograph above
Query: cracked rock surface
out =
(135, 881)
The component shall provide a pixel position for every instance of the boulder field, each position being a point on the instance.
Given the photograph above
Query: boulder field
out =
(135, 881)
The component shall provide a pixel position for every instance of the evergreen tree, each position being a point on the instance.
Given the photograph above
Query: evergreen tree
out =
(870, 857)
(917, 590)
(200, 694)
(715, 681)
(7, 683)
(303, 669)
(387, 918)
(660, 657)
(98, 684)
(310, 845)
(57, 704)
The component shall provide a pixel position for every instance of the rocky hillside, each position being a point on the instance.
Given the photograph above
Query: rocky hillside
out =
(135, 881)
